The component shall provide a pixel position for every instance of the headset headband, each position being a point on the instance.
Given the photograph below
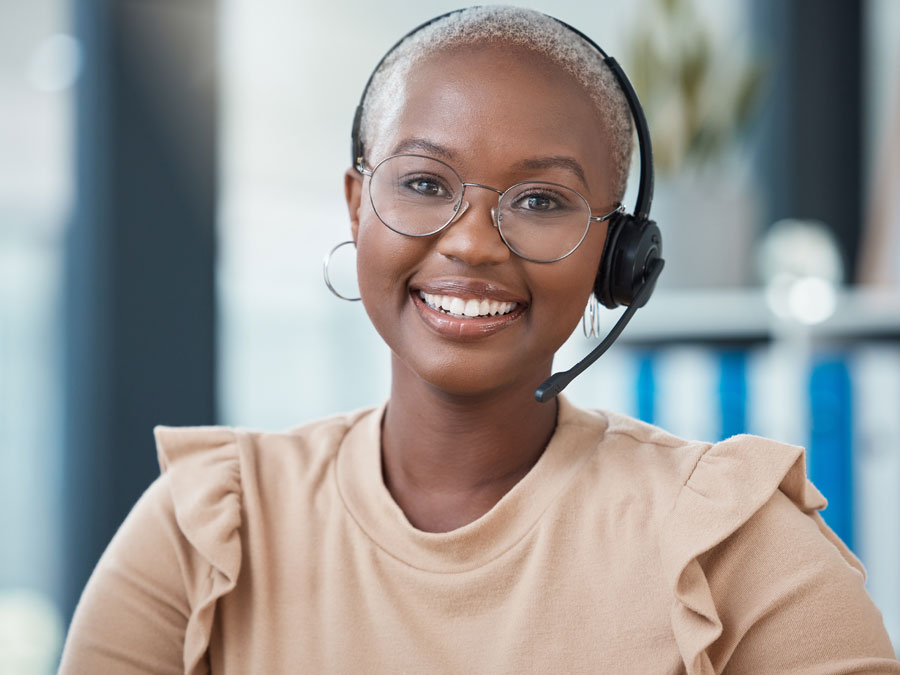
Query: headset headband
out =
(645, 187)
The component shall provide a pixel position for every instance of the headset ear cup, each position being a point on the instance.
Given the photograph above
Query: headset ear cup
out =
(603, 282)
(632, 244)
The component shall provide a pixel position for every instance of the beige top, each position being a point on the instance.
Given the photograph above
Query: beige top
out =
(624, 550)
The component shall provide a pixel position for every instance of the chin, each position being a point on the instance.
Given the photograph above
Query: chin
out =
(475, 378)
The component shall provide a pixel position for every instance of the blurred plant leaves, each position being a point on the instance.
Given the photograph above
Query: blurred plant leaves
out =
(699, 96)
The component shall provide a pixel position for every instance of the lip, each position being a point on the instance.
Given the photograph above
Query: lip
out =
(468, 289)
(468, 328)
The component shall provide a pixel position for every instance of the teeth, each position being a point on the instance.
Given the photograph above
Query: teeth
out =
(471, 308)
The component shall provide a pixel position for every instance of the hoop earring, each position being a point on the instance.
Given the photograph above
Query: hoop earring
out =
(325, 265)
(590, 322)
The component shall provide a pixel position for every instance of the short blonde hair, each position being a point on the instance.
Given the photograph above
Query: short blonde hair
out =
(523, 28)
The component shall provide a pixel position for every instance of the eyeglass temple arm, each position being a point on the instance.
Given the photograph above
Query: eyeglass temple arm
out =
(599, 219)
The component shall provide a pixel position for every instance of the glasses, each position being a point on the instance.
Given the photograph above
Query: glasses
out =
(418, 196)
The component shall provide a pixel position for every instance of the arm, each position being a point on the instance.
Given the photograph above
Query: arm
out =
(132, 615)
(793, 600)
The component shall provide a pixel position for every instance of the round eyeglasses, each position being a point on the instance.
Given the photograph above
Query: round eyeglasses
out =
(418, 196)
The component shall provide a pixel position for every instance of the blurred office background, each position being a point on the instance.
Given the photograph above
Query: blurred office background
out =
(171, 176)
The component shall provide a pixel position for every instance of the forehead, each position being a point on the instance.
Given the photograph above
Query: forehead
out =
(496, 105)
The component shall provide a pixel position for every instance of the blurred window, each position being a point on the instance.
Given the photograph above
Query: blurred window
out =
(39, 63)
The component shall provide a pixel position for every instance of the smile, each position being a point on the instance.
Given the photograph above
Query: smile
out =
(463, 308)
(453, 313)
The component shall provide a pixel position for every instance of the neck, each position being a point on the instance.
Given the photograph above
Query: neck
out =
(447, 459)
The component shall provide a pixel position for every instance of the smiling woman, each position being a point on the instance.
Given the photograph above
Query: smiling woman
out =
(499, 130)
(463, 526)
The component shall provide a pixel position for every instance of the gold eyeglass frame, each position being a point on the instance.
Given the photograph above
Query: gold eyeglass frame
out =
(495, 216)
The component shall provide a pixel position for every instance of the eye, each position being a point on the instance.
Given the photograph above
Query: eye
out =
(538, 203)
(541, 201)
(426, 186)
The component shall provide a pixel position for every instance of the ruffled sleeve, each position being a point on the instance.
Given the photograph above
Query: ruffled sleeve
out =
(203, 470)
(732, 482)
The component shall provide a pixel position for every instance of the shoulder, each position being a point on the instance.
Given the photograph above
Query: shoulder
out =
(212, 471)
(215, 477)
(790, 596)
(719, 485)
(631, 458)
(218, 460)
(760, 581)
(209, 469)
(757, 579)
(656, 449)
(215, 445)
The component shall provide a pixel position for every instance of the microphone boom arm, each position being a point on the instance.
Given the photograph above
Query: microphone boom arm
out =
(554, 384)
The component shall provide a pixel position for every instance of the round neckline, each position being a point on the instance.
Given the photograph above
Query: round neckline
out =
(361, 486)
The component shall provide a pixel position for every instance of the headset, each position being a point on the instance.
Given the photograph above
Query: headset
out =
(631, 261)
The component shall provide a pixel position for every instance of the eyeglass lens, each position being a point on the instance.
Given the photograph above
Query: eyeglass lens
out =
(418, 196)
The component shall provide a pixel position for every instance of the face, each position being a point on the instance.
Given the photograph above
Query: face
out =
(499, 116)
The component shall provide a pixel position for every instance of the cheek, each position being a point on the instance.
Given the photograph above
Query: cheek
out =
(385, 261)
(564, 287)
(375, 250)
(562, 299)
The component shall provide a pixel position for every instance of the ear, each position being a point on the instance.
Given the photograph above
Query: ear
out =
(353, 186)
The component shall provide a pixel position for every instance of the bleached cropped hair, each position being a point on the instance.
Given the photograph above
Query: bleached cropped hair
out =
(520, 27)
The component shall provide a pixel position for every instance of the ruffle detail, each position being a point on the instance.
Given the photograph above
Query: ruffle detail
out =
(203, 470)
(732, 481)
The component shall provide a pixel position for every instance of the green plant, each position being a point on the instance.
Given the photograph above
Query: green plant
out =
(699, 96)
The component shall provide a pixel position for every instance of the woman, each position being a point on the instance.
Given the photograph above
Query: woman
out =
(463, 526)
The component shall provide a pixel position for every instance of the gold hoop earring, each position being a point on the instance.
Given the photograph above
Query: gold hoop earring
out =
(325, 265)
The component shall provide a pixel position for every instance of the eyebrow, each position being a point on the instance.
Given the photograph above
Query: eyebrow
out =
(417, 144)
(423, 145)
(555, 162)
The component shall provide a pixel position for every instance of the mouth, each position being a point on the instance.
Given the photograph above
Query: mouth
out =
(463, 312)
(463, 308)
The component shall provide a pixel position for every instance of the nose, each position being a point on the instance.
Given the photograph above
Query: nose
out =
(472, 236)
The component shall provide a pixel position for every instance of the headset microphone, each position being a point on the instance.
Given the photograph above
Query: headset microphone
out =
(554, 384)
